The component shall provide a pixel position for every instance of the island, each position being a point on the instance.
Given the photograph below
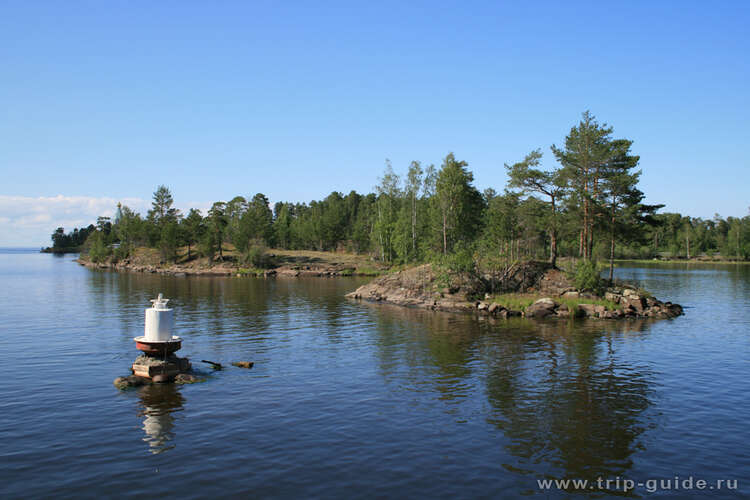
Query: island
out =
(432, 239)
(529, 289)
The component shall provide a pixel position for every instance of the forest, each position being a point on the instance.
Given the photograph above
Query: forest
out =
(588, 206)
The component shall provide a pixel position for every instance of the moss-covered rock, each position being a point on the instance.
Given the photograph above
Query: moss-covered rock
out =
(123, 383)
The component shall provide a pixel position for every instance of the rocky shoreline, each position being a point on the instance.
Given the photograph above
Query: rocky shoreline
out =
(225, 269)
(423, 287)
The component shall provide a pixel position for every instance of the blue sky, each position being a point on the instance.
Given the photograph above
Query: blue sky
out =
(103, 101)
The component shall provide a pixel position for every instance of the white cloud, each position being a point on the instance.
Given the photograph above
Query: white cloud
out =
(27, 221)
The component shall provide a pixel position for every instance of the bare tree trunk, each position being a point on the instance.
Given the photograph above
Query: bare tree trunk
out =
(585, 235)
(580, 243)
(445, 234)
(612, 249)
(553, 248)
(553, 237)
(414, 223)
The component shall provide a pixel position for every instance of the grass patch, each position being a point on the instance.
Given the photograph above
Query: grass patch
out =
(520, 301)
(515, 301)
(368, 271)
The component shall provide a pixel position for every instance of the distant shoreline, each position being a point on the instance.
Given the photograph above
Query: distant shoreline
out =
(282, 262)
(20, 249)
(60, 250)
(698, 260)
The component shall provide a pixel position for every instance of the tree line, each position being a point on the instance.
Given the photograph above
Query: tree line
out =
(587, 205)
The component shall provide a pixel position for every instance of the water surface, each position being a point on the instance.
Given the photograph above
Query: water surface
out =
(350, 400)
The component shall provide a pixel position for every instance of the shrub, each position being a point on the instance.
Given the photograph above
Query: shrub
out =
(452, 268)
(460, 260)
(256, 255)
(587, 276)
(207, 246)
(98, 251)
(120, 253)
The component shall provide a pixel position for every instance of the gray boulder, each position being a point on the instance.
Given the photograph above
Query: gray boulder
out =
(541, 308)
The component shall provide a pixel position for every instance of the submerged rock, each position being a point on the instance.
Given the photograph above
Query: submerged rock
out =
(130, 381)
(187, 378)
(243, 364)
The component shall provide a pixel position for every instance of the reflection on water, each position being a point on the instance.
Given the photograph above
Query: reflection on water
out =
(568, 404)
(158, 404)
(567, 400)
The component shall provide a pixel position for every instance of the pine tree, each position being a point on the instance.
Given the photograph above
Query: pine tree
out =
(551, 184)
(586, 152)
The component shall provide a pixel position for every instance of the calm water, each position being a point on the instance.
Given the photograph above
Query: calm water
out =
(350, 400)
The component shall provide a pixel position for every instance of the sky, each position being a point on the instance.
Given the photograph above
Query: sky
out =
(103, 101)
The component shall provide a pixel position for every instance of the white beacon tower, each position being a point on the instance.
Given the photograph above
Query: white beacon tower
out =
(159, 321)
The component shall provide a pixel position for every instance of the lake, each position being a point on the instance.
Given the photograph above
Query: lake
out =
(353, 400)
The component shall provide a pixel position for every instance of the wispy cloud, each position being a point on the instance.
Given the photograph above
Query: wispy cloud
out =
(29, 221)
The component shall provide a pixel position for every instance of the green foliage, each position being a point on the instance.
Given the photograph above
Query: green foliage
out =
(587, 150)
(98, 249)
(452, 267)
(120, 253)
(588, 206)
(460, 206)
(169, 240)
(527, 177)
(76, 238)
(104, 226)
(130, 229)
(587, 276)
(461, 260)
(192, 229)
(208, 246)
(387, 209)
(368, 271)
(283, 224)
(161, 207)
(216, 224)
(502, 225)
(257, 256)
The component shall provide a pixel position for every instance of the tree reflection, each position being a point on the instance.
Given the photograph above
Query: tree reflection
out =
(444, 344)
(565, 399)
(567, 402)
